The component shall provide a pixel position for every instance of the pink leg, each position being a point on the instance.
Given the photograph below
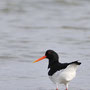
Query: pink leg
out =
(56, 86)
(66, 86)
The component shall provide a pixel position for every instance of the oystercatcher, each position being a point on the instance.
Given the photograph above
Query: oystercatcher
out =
(59, 73)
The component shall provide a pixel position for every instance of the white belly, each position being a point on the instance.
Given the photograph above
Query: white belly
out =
(65, 75)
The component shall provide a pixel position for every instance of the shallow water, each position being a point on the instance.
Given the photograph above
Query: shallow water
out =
(29, 27)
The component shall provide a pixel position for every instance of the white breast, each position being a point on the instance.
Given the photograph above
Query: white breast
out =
(65, 75)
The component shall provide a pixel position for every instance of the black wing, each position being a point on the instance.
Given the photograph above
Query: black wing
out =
(59, 66)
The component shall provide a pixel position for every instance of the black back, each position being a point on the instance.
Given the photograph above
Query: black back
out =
(54, 64)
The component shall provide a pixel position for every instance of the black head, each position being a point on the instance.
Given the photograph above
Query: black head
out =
(52, 56)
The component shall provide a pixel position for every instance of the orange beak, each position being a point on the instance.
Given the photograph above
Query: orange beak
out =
(39, 59)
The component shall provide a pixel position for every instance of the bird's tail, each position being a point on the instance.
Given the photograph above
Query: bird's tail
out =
(76, 62)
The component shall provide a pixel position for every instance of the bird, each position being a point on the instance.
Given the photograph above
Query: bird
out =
(59, 73)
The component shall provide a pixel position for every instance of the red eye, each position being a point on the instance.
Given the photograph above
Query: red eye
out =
(49, 52)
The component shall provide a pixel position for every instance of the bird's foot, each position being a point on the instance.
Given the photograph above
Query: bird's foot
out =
(56, 88)
(66, 89)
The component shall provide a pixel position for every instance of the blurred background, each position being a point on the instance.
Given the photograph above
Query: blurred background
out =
(30, 27)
